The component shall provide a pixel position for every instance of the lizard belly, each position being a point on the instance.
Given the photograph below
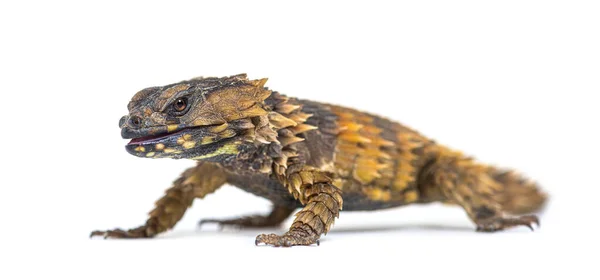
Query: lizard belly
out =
(263, 186)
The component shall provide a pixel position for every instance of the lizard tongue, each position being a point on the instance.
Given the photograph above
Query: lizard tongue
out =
(141, 140)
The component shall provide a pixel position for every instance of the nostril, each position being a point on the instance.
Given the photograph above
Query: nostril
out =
(122, 121)
(135, 121)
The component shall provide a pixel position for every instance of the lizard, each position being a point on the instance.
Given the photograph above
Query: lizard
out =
(301, 154)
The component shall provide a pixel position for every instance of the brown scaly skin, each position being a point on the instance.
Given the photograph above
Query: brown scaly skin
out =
(171, 207)
(309, 155)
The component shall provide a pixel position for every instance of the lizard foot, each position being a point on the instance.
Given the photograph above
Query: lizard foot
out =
(243, 222)
(499, 223)
(139, 232)
(287, 240)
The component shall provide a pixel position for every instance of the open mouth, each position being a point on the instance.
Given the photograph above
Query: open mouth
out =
(153, 135)
(153, 139)
(172, 136)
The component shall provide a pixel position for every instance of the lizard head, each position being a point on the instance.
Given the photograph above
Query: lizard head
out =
(202, 118)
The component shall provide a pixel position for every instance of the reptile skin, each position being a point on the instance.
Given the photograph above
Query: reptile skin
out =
(303, 154)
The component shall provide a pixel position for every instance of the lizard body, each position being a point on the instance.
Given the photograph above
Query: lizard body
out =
(304, 154)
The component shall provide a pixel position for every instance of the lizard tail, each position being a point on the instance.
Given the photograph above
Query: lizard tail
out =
(520, 196)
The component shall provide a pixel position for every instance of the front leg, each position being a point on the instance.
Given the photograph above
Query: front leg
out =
(195, 182)
(322, 201)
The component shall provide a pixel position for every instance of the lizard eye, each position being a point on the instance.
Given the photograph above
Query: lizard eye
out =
(180, 104)
(179, 107)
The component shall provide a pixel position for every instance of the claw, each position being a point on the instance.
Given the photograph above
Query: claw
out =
(207, 221)
(536, 221)
(501, 223)
(214, 221)
(96, 233)
(139, 232)
(529, 226)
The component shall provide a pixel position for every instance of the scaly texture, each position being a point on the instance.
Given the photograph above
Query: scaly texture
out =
(304, 154)
(195, 182)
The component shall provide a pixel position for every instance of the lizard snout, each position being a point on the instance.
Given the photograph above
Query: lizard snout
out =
(122, 121)
(134, 122)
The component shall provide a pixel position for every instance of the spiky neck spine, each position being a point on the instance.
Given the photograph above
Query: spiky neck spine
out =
(271, 142)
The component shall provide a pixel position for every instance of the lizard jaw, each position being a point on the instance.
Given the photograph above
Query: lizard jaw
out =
(152, 139)
(189, 142)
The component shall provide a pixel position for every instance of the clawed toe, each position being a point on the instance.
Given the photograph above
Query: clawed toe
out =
(500, 223)
(243, 222)
(119, 233)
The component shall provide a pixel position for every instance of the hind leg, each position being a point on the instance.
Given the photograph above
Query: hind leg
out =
(275, 218)
(461, 181)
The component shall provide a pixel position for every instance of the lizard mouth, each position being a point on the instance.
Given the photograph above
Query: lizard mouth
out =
(150, 135)
(170, 135)
(185, 142)
(153, 139)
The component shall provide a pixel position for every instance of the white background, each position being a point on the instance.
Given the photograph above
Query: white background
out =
(513, 83)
